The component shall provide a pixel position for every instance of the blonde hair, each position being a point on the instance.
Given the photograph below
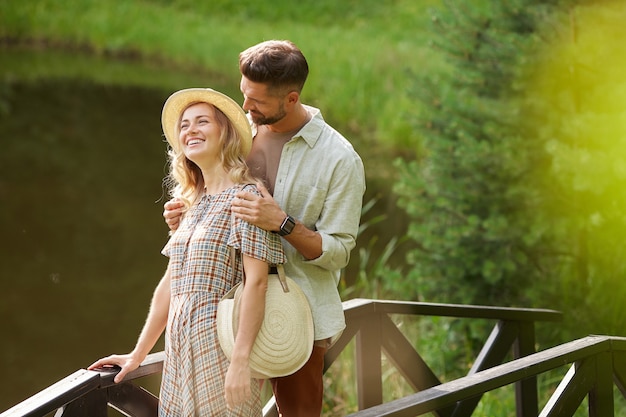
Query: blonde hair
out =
(184, 180)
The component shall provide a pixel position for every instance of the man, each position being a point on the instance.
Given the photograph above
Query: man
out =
(312, 191)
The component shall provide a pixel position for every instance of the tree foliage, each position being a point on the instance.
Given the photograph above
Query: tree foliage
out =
(517, 199)
(471, 198)
(577, 107)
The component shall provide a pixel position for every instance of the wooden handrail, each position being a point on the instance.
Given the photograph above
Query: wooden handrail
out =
(363, 306)
(597, 360)
(70, 393)
(367, 321)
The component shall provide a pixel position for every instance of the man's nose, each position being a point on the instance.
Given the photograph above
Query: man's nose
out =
(246, 104)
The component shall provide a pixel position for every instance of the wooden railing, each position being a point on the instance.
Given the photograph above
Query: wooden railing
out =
(90, 393)
(596, 363)
(369, 324)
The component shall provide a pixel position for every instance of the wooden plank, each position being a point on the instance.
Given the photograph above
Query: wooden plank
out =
(269, 409)
(526, 395)
(56, 395)
(601, 394)
(619, 370)
(466, 387)
(466, 311)
(153, 364)
(408, 361)
(493, 353)
(618, 344)
(569, 394)
(133, 400)
(92, 404)
(352, 328)
(358, 307)
(498, 344)
(369, 364)
(619, 363)
(405, 358)
(76, 385)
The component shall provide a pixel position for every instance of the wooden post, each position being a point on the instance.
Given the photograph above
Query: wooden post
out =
(369, 363)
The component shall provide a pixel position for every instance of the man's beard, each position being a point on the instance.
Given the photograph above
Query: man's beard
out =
(268, 120)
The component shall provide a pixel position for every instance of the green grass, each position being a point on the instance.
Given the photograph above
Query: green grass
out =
(360, 52)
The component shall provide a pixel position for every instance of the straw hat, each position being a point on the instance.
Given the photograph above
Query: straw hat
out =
(180, 100)
(284, 342)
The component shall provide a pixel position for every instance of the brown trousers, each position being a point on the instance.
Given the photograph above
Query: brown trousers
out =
(301, 394)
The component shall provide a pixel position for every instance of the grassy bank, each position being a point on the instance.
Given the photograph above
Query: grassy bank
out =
(361, 53)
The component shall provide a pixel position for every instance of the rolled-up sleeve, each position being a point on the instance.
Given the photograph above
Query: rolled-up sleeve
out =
(339, 221)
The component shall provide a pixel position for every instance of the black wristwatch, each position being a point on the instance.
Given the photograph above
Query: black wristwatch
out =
(287, 226)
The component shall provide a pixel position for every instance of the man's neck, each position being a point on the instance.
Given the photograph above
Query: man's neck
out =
(292, 121)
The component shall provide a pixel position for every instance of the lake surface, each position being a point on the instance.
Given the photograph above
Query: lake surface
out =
(82, 159)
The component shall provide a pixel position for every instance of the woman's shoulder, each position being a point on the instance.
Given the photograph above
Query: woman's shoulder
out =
(249, 187)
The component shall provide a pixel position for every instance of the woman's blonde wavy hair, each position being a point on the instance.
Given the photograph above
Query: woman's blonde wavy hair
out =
(184, 180)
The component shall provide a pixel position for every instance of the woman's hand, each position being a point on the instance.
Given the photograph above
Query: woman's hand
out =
(237, 384)
(127, 363)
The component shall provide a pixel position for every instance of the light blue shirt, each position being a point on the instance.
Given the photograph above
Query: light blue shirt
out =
(321, 182)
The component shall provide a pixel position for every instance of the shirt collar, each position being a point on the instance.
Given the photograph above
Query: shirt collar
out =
(310, 132)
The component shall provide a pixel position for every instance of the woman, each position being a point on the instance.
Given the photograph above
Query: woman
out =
(209, 137)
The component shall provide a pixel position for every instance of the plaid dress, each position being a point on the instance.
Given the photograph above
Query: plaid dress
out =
(201, 273)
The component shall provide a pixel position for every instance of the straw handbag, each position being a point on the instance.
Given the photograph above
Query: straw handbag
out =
(285, 340)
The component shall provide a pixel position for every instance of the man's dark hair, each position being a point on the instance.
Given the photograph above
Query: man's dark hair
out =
(279, 64)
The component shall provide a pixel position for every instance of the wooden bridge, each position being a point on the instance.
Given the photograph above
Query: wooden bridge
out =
(597, 365)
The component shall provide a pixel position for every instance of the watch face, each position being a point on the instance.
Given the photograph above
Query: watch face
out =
(287, 226)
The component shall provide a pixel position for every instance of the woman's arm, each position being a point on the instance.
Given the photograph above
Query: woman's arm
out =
(152, 330)
(252, 309)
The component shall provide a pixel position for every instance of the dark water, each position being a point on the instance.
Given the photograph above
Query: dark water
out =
(81, 165)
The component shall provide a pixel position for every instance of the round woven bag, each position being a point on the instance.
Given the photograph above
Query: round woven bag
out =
(285, 340)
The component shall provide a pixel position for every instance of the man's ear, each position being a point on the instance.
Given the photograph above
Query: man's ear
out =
(293, 97)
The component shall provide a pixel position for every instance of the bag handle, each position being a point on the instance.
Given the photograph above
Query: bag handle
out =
(282, 277)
